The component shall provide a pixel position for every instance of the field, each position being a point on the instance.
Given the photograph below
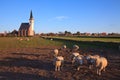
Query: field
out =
(23, 59)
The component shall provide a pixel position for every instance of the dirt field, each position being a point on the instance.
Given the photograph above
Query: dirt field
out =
(36, 64)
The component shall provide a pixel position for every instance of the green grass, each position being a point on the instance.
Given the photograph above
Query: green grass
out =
(14, 42)
(90, 39)
(90, 42)
(36, 42)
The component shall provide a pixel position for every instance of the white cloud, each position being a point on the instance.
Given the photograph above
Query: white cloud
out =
(61, 17)
(58, 18)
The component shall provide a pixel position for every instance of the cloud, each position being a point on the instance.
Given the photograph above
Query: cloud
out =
(58, 18)
(61, 17)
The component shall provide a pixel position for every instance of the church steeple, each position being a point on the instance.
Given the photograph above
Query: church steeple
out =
(31, 23)
(31, 16)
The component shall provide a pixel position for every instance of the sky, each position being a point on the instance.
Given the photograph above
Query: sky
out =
(93, 16)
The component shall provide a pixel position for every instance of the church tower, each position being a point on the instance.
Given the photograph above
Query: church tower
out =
(31, 23)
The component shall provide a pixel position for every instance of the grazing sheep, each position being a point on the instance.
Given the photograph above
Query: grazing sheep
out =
(51, 39)
(55, 51)
(64, 47)
(27, 39)
(17, 38)
(100, 64)
(21, 39)
(58, 62)
(73, 56)
(78, 61)
(75, 47)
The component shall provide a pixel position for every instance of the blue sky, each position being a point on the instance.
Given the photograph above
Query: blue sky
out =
(61, 15)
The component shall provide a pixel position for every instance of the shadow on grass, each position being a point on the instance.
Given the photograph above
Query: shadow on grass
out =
(89, 44)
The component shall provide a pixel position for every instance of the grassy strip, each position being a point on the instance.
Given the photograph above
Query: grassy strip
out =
(15, 42)
(89, 42)
(35, 42)
(78, 38)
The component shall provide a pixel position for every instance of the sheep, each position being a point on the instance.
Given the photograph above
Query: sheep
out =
(100, 64)
(91, 60)
(27, 39)
(75, 47)
(21, 39)
(51, 39)
(78, 61)
(73, 56)
(58, 62)
(55, 51)
(64, 47)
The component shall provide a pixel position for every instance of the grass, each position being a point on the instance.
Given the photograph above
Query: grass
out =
(36, 42)
(90, 42)
(90, 39)
(14, 42)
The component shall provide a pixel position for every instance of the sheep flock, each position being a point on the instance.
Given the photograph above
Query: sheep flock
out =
(95, 62)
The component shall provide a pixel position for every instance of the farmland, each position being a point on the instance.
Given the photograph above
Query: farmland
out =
(23, 59)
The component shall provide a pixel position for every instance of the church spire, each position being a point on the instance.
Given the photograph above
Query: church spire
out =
(31, 16)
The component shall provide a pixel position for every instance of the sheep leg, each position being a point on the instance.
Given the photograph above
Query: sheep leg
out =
(78, 68)
(90, 66)
(58, 68)
(99, 72)
(55, 68)
(73, 61)
(103, 69)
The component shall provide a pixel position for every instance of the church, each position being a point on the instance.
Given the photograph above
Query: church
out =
(27, 29)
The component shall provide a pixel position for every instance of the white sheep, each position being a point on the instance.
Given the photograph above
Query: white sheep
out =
(51, 39)
(75, 47)
(73, 56)
(100, 64)
(58, 62)
(21, 39)
(55, 51)
(91, 60)
(78, 61)
(64, 47)
(27, 39)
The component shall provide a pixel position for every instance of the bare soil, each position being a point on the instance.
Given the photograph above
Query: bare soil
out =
(36, 64)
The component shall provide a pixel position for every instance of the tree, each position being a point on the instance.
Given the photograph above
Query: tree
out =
(67, 33)
(78, 33)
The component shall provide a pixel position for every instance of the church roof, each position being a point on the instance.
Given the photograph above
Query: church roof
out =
(24, 26)
(31, 16)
